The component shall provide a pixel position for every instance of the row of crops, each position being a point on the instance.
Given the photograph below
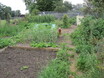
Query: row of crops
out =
(89, 42)
(35, 33)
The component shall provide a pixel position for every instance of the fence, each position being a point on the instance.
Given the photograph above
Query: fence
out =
(59, 15)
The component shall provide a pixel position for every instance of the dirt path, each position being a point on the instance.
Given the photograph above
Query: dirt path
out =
(65, 38)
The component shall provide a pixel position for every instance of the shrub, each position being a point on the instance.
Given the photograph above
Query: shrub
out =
(86, 61)
(76, 37)
(86, 39)
(95, 73)
(41, 19)
(84, 48)
(65, 21)
(89, 32)
(72, 20)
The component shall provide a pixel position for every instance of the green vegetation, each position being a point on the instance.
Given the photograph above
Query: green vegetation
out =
(6, 13)
(86, 61)
(5, 42)
(57, 68)
(65, 21)
(86, 38)
(41, 19)
(97, 10)
(59, 23)
(8, 30)
(39, 33)
(24, 68)
(91, 31)
(44, 33)
(2, 22)
(42, 45)
(72, 20)
(46, 5)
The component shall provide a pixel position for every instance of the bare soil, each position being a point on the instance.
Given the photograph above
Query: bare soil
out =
(13, 59)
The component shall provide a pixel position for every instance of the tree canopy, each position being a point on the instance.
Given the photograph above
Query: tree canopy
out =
(6, 12)
(95, 7)
(48, 5)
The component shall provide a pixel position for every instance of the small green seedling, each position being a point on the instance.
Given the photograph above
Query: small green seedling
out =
(24, 68)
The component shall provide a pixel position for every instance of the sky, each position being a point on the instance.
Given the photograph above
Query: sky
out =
(20, 5)
(75, 1)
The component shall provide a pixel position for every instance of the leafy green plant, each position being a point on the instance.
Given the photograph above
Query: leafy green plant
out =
(86, 61)
(24, 68)
(42, 45)
(76, 37)
(6, 42)
(84, 48)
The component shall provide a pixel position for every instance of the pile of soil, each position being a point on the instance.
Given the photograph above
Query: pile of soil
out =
(12, 60)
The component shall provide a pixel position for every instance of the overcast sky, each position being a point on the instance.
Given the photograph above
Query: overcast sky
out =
(75, 1)
(20, 5)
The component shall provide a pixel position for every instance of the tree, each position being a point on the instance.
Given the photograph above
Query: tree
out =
(5, 12)
(68, 5)
(30, 5)
(95, 7)
(42, 5)
(13, 14)
(17, 13)
(45, 5)
(63, 7)
(78, 7)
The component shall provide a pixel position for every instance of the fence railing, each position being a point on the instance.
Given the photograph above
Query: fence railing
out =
(59, 15)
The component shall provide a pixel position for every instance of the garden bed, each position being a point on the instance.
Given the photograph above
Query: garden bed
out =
(16, 62)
